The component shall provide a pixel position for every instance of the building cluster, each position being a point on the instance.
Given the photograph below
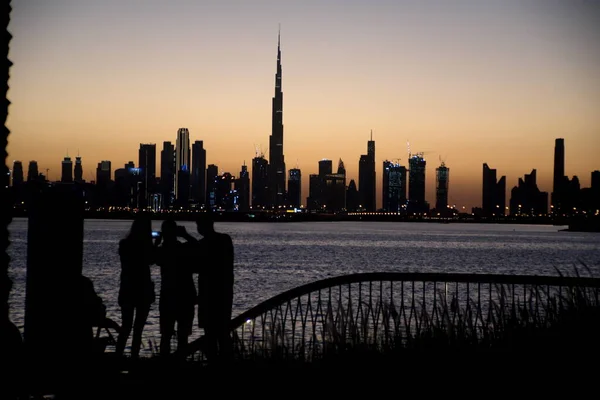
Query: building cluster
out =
(526, 199)
(186, 182)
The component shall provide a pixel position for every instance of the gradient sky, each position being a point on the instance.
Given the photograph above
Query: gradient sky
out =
(465, 81)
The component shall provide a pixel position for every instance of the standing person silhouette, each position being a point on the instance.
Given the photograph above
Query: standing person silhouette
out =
(136, 292)
(177, 290)
(215, 286)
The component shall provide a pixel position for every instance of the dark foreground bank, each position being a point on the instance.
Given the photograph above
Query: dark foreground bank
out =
(365, 375)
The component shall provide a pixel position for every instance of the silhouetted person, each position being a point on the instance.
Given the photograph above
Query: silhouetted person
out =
(136, 293)
(177, 290)
(215, 286)
(89, 312)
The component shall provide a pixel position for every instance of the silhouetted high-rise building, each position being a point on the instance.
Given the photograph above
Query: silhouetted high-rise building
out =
(147, 166)
(182, 163)
(394, 187)
(295, 188)
(128, 182)
(558, 183)
(416, 184)
(67, 170)
(103, 173)
(316, 190)
(367, 177)
(595, 180)
(277, 173)
(198, 172)
(167, 174)
(103, 184)
(571, 196)
(494, 193)
(327, 190)
(17, 174)
(226, 197)
(325, 167)
(242, 187)
(527, 199)
(212, 172)
(335, 189)
(352, 197)
(78, 170)
(595, 189)
(442, 183)
(182, 196)
(260, 182)
(32, 172)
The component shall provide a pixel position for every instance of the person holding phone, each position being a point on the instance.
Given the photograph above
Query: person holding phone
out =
(177, 290)
(136, 291)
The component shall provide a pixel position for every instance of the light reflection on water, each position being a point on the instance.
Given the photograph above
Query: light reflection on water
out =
(273, 257)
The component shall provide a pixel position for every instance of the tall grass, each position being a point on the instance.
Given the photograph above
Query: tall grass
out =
(533, 318)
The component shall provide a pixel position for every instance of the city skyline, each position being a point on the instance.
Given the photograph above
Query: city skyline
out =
(509, 121)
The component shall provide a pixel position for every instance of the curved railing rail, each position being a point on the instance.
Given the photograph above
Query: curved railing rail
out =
(397, 309)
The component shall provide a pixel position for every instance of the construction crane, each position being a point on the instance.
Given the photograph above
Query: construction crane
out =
(258, 152)
(442, 161)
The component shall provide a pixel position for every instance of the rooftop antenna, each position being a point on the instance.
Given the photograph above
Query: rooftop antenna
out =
(408, 148)
(296, 163)
(371, 135)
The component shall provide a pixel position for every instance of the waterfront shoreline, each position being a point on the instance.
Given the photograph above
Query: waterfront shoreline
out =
(323, 217)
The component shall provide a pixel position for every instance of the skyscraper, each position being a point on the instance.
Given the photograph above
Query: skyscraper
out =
(260, 182)
(277, 171)
(394, 187)
(334, 189)
(295, 188)
(595, 188)
(67, 170)
(416, 179)
(325, 167)
(78, 170)
(242, 187)
(198, 172)
(558, 183)
(32, 172)
(147, 166)
(17, 174)
(103, 173)
(366, 177)
(182, 162)
(167, 174)
(442, 181)
(352, 197)
(494, 193)
(212, 172)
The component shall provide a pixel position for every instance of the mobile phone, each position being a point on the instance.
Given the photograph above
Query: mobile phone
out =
(155, 234)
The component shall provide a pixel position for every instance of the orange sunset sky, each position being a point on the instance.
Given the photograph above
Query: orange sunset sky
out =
(467, 81)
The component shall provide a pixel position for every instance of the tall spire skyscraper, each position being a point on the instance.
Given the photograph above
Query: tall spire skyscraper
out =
(277, 173)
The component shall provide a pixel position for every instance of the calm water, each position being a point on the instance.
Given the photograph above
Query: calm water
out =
(273, 257)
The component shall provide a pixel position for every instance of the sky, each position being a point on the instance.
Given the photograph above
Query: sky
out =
(464, 82)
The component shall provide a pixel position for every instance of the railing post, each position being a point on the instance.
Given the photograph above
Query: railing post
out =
(53, 334)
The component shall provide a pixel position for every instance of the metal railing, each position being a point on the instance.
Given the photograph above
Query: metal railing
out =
(385, 310)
